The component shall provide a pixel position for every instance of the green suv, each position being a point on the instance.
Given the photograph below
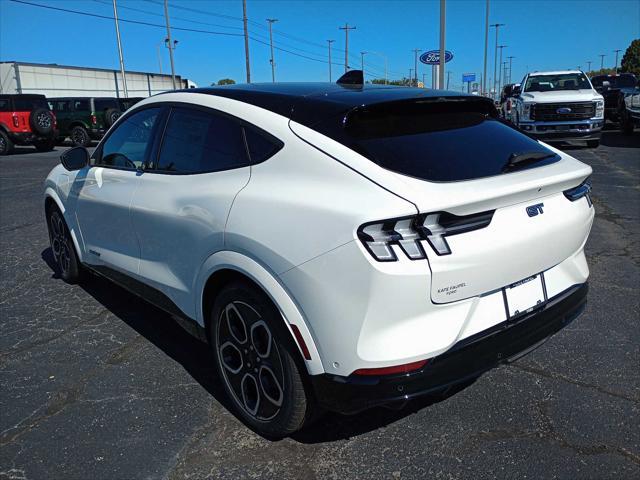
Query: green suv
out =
(83, 119)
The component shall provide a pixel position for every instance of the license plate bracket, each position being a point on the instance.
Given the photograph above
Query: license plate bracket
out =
(524, 296)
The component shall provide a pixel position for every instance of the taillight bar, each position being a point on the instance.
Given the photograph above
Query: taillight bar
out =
(16, 120)
(94, 120)
(395, 370)
(407, 232)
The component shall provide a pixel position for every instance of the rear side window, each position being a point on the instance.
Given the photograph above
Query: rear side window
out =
(102, 104)
(196, 141)
(28, 103)
(261, 145)
(60, 105)
(4, 105)
(81, 105)
(440, 141)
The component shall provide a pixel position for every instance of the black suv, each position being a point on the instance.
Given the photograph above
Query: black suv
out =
(613, 89)
(83, 119)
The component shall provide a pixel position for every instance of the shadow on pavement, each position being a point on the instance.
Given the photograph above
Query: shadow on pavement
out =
(615, 138)
(196, 358)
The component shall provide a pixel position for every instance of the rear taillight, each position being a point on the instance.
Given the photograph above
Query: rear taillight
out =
(408, 232)
(55, 120)
(16, 120)
(395, 370)
(582, 190)
(94, 120)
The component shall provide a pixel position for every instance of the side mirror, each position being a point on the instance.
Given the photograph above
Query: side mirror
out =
(605, 85)
(75, 158)
(515, 92)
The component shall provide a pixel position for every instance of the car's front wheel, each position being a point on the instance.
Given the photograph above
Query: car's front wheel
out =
(258, 362)
(64, 252)
(5, 143)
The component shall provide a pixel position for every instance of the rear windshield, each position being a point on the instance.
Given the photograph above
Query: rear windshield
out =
(441, 141)
(29, 103)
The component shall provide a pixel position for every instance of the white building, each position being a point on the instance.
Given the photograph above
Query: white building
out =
(55, 80)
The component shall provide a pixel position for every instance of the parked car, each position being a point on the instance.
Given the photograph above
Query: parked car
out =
(25, 119)
(337, 246)
(629, 113)
(613, 89)
(558, 106)
(83, 119)
(506, 102)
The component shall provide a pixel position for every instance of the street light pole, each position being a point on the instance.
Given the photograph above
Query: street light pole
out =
(510, 58)
(500, 71)
(486, 44)
(330, 42)
(362, 54)
(602, 61)
(271, 21)
(411, 77)
(617, 51)
(415, 63)
(495, 57)
(169, 44)
(122, 72)
(589, 62)
(442, 43)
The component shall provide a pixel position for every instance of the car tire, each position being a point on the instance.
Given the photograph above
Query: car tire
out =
(45, 145)
(626, 124)
(41, 121)
(6, 145)
(111, 115)
(261, 370)
(593, 143)
(79, 136)
(62, 247)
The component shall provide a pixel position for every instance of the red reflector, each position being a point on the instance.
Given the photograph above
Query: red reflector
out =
(406, 368)
(94, 120)
(301, 344)
(16, 122)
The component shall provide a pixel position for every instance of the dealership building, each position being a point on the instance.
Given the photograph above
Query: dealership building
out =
(55, 80)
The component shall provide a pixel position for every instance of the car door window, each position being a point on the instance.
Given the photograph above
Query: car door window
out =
(197, 141)
(127, 147)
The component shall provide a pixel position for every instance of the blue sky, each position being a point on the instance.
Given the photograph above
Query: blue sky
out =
(549, 34)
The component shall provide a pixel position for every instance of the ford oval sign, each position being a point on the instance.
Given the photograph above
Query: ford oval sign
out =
(564, 110)
(432, 57)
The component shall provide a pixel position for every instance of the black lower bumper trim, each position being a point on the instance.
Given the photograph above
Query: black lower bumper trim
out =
(465, 360)
(567, 136)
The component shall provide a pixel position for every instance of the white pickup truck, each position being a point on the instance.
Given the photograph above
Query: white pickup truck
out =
(559, 106)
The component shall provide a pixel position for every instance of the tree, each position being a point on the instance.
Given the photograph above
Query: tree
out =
(381, 81)
(631, 59)
(226, 81)
(601, 71)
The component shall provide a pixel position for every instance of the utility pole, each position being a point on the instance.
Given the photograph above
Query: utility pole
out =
(159, 56)
(346, 29)
(495, 57)
(442, 44)
(616, 52)
(271, 21)
(122, 72)
(246, 39)
(411, 77)
(589, 62)
(448, 78)
(504, 72)
(602, 61)
(415, 63)
(510, 58)
(170, 45)
(362, 54)
(330, 42)
(486, 44)
(424, 83)
(500, 71)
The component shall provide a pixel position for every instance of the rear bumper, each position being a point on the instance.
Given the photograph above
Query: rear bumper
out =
(467, 359)
(28, 138)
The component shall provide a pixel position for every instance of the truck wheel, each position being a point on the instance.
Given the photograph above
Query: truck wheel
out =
(258, 362)
(5, 144)
(45, 145)
(41, 121)
(79, 137)
(626, 124)
(593, 143)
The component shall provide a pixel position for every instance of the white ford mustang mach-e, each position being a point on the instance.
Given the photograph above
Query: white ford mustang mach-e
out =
(340, 246)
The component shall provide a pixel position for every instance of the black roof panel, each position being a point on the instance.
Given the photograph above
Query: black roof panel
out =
(308, 103)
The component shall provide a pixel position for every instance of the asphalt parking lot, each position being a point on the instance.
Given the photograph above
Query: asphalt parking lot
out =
(97, 384)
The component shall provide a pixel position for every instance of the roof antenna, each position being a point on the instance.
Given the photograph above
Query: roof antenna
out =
(352, 77)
